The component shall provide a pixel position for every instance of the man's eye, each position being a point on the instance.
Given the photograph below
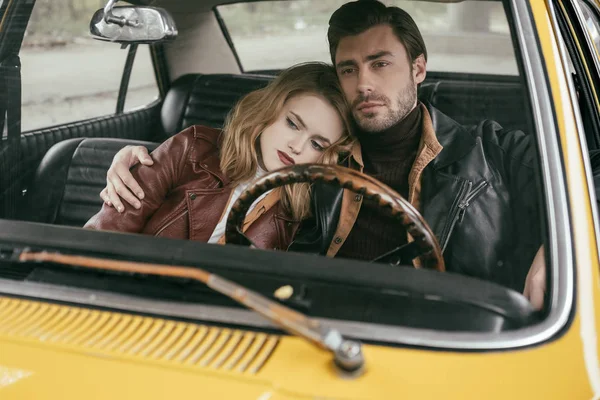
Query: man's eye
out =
(292, 124)
(380, 64)
(316, 145)
(347, 71)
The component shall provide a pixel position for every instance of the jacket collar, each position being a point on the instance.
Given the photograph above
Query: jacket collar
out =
(455, 140)
(430, 143)
(446, 138)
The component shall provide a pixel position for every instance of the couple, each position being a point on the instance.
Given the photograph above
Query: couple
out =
(475, 187)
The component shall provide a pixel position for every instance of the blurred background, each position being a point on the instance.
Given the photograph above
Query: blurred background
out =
(67, 76)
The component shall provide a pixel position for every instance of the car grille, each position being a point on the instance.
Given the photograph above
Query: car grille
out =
(136, 337)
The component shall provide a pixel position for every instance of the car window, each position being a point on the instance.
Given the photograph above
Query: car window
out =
(67, 76)
(470, 37)
(592, 25)
(580, 33)
(142, 88)
(472, 76)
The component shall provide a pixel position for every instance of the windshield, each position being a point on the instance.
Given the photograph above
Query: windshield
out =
(468, 37)
(425, 209)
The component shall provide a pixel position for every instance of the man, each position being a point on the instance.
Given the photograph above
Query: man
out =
(475, 187)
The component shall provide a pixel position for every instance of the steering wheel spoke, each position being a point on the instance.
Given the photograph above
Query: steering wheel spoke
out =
(400, 255)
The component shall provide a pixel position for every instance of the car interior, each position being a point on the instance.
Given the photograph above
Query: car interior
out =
(63, 168)
(65, 186)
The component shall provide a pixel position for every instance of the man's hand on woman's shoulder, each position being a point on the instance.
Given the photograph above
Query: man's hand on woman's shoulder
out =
(120, 184)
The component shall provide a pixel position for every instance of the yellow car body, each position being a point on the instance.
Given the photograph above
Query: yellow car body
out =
(56, 351)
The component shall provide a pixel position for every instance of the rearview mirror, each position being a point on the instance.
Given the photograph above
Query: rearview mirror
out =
(132, 24)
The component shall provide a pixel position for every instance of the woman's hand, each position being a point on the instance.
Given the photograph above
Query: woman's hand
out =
(119, 181)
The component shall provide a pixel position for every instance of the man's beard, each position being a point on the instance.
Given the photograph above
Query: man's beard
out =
(377, 122)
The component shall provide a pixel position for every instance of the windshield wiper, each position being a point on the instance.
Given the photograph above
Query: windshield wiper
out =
(347, 354)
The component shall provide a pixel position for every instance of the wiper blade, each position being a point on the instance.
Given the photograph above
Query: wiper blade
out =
(347, 353)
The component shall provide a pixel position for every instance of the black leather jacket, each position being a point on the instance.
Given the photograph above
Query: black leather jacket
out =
(479, 195)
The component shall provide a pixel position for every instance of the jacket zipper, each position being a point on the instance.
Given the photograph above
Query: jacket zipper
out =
(463, 192)
(470, 197)
(181, 214)
(465, 196)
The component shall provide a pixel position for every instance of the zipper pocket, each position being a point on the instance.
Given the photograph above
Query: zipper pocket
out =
(472, 195)
(181, 214)
(465, 196)
(463, 193)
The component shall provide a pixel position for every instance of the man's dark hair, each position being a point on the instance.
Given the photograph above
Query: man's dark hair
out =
(356, 17)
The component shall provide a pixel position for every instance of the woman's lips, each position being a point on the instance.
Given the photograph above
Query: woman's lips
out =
(287, 160)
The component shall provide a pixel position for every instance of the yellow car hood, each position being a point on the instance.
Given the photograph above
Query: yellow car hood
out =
(50, 351)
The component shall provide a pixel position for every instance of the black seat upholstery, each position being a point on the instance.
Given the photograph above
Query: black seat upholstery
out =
(205, 99)
(471, 101)
(71, 175)
(67, 183)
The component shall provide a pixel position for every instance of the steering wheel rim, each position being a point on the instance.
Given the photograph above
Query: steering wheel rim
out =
(430, 253)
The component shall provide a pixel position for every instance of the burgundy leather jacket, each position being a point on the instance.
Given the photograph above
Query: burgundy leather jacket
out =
(186, 194)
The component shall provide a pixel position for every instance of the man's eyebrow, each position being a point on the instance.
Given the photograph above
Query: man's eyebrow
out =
(345, 63)
(377, 55)
(299, 119)
(370, 57)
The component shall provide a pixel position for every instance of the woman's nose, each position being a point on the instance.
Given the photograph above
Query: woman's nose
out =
(295, 145)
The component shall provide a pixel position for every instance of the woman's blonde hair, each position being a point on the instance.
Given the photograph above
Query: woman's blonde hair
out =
(260, 108)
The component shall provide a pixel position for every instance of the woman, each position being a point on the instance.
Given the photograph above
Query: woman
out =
(301, 117)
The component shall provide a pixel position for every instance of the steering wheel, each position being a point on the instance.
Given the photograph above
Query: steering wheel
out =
(424, 245)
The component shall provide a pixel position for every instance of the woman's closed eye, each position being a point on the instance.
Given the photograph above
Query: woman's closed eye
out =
(291, 124)
(316, 145)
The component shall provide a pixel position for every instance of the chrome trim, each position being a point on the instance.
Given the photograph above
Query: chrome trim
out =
(559, 229)
(206, 314)
(589, 41)
(110, 18)
(132, 303)
(582, 138)
(586, 161)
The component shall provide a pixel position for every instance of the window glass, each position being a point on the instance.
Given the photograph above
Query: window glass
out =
(592, 25)
(66, 75)
(142, 88)
(498, 246)
(471, 37)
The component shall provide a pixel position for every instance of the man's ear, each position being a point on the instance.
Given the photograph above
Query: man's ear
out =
(419, 69)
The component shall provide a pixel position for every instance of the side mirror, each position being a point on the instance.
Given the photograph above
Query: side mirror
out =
(132, 24)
